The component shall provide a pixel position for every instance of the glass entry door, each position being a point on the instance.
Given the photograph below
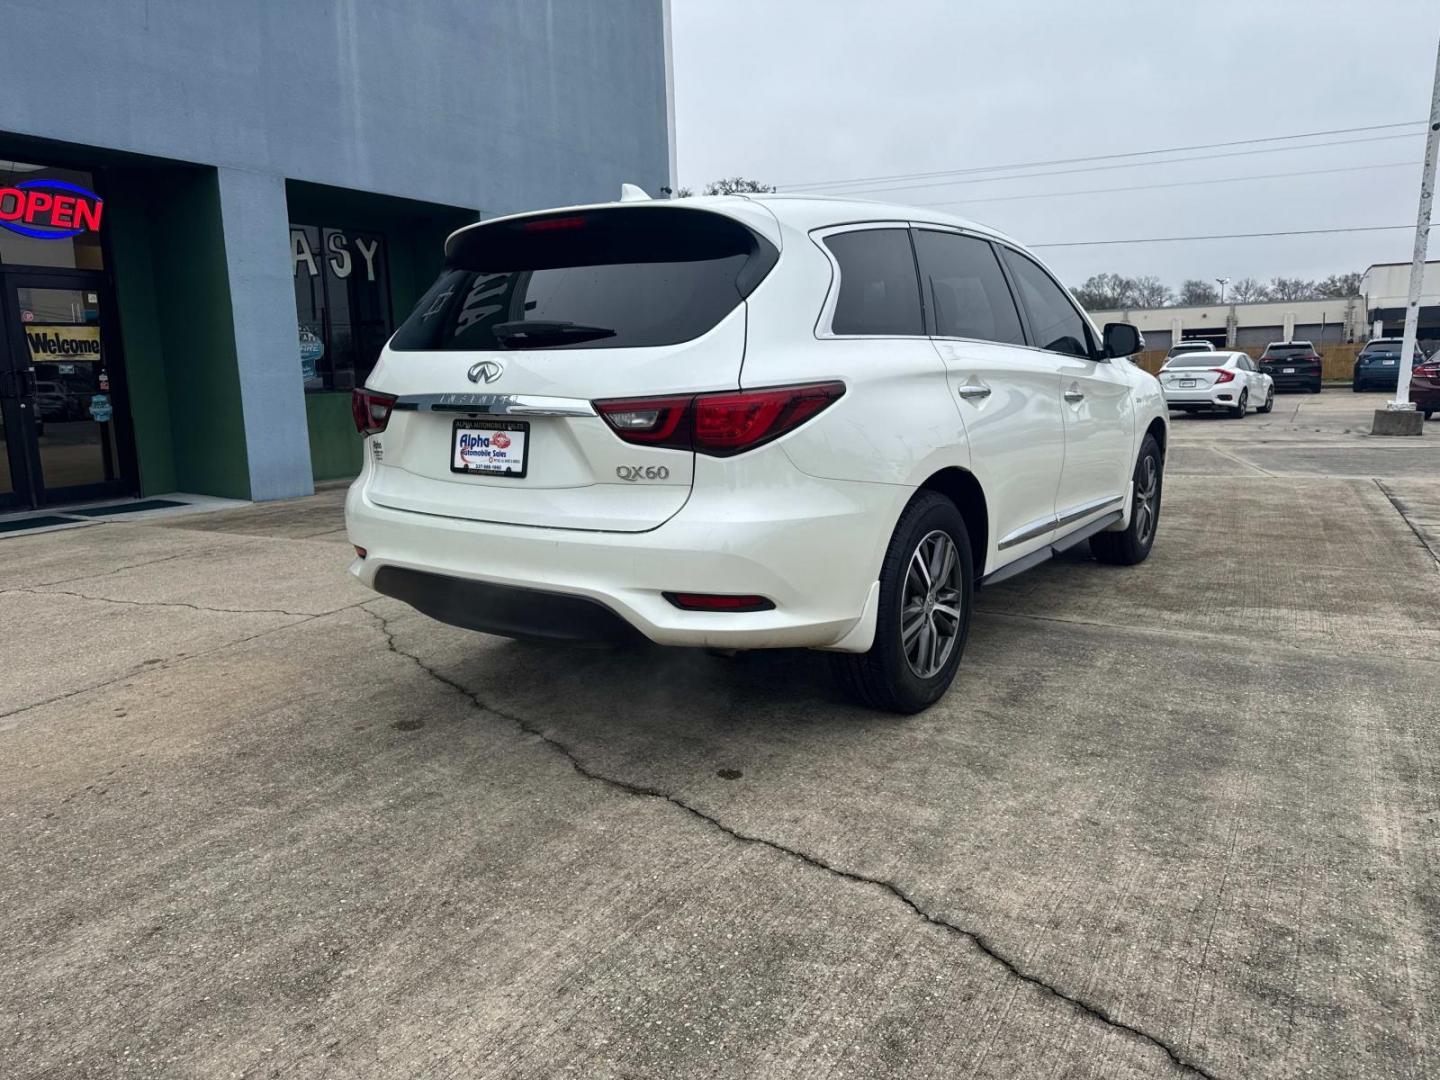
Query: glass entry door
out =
(58, 371)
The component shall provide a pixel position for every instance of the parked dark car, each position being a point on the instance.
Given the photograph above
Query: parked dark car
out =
(1294, 365)
(1425, 385)
(1378, 365)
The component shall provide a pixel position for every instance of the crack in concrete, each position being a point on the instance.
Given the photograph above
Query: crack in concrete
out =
(1400, 509)
(43, 591)
(974, 937)
(109, 573)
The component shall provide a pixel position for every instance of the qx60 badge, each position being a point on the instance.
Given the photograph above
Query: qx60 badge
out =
(486, 371)
(631, 473)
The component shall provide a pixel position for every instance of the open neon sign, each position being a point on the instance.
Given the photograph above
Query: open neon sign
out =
(49, 209)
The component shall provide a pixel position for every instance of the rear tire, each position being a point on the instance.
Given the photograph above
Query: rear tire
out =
(1269, 401)
(1356, 387)
(900, 673)
(1132, 545)
(1315, 389)
(1429, 413)
(1242, 406)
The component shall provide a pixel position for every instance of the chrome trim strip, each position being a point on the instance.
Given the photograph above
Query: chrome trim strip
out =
(1089, 508)
(496, 404)
(1039, 528)
(1027, 532)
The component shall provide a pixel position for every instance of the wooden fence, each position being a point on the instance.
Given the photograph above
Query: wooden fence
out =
(1337, 361)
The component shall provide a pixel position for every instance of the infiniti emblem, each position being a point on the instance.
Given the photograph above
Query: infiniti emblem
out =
(486, 370)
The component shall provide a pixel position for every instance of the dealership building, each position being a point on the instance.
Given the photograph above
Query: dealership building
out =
(212, 221)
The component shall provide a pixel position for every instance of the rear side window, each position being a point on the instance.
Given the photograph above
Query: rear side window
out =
(965, 288)
(879, 290)
(1054, 320)
(607, 279)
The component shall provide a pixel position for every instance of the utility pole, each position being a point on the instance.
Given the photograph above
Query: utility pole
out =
(1399, 416)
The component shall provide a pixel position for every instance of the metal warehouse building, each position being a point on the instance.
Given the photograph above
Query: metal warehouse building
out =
(1378, 310)
(212, 215)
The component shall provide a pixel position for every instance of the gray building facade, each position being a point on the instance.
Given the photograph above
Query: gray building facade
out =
(211, 222)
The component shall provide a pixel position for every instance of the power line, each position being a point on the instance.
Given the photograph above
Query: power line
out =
(1220, 236)
(1108, 168)
(1098, 157)
(1175, 184)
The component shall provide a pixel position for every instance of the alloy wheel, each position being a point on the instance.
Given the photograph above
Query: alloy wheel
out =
(930, 604)
(1147, 496)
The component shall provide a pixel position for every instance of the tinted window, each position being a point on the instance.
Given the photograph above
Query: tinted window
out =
(1197, 360)
(1055, 322)
(1288, 350)
(879, 292)
(603, 280)
(965, 288)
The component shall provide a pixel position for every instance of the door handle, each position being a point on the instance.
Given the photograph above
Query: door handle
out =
(971, 392)
(1074, 394)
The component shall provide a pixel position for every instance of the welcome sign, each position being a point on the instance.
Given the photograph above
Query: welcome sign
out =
(62, 344)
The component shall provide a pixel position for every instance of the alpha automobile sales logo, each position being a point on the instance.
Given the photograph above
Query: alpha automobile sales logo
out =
(49, 209)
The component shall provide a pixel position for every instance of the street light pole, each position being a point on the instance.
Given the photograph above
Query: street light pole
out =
(1223, 281)
(1402, 400)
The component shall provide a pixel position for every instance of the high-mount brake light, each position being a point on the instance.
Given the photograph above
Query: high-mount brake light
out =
(551, 224)
(718, 424)
(370, 409)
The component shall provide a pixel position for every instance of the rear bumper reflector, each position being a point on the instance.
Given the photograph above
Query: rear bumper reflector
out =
(718, 602)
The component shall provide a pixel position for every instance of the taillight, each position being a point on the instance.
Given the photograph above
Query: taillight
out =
(1225, 376)
(719, 424)
(657, 421)
(370, 409)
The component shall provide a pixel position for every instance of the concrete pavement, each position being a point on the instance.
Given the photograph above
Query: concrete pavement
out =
(1173, 820)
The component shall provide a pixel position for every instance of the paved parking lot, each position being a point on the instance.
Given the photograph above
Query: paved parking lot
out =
(1176, 820)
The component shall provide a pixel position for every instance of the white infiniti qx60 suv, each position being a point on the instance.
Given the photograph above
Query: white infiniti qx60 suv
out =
(744, 423)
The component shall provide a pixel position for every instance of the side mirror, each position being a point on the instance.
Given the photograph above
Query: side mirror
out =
(1122, 339)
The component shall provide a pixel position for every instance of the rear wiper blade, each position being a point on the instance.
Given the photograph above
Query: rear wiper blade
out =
(526, 332)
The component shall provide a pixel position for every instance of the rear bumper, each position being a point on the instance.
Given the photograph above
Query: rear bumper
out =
(1217, 397)
(504, 609)
(1295, 382)
(811, 547)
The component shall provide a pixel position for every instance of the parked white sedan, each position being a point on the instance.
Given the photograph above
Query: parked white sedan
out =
(1228, 381)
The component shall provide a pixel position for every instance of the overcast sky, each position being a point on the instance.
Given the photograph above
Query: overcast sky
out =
(794, 91)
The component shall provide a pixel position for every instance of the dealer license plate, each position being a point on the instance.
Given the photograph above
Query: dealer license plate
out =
(1288, 371)
(1185, 384)
(490, 447)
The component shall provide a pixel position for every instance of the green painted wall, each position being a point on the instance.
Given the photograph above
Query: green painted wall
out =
(192, 294)
(168, 254)
(127, 219)
(335, 448)
(414, 241)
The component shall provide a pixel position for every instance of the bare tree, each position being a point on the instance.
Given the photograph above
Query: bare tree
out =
(1283, 288)
(1339, 286)
(1151, 292)
(1194, 292)
(1106, 292)
(1248, 291)
(737, 185)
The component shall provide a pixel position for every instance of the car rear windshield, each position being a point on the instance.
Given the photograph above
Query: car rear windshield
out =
(1382, 348)
(1289, 350)
(599, 279)
(1206, 359)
